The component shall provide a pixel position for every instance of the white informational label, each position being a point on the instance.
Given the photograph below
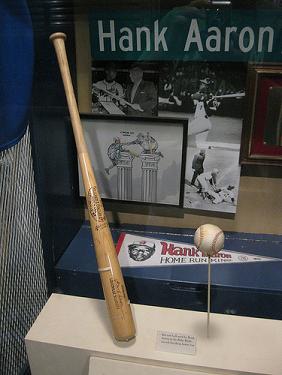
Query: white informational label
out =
(137, 251)
(173, 342)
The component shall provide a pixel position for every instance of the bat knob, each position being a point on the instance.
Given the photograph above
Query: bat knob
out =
(57, 36)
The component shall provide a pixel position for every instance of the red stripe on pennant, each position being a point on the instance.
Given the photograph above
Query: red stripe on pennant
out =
(120, 241)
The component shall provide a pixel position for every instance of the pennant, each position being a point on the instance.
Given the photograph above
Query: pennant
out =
(137, 251)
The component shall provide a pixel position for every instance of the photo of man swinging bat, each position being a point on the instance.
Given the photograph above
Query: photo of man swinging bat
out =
(211, 95)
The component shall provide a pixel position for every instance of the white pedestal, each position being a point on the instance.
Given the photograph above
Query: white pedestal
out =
(70, 330)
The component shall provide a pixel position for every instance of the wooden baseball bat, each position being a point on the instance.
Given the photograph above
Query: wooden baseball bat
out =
(108, 266)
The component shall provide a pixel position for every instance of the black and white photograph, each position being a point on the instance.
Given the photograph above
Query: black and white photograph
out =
(125, 88)
(211, 95)
(212, 179)
(140, 160)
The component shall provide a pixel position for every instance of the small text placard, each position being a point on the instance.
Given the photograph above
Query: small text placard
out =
(176, 342)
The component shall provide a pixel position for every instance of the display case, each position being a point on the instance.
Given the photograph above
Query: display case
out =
(180, 108)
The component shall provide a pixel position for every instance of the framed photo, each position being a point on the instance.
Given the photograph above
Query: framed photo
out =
(262, 127)
(127, 88)
(137, 159)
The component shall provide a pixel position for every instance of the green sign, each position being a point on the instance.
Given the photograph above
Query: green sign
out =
(188, 34)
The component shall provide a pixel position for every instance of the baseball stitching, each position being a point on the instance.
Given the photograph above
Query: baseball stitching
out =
(214, 241)
(201, 237)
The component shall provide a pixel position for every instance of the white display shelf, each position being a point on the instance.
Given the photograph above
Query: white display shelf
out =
(71, 332)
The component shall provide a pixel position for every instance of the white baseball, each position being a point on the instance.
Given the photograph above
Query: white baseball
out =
(209, 239)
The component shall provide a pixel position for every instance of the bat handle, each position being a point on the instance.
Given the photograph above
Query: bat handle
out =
(58, 40)
(60, 36)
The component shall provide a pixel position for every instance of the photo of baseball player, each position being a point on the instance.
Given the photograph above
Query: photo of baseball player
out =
(107, 92)
(216, 188)
(211, 95)
(206, 182)
(129, 88)
(223, 194)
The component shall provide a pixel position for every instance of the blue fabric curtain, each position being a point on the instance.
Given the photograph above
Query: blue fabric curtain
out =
(16, 69)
